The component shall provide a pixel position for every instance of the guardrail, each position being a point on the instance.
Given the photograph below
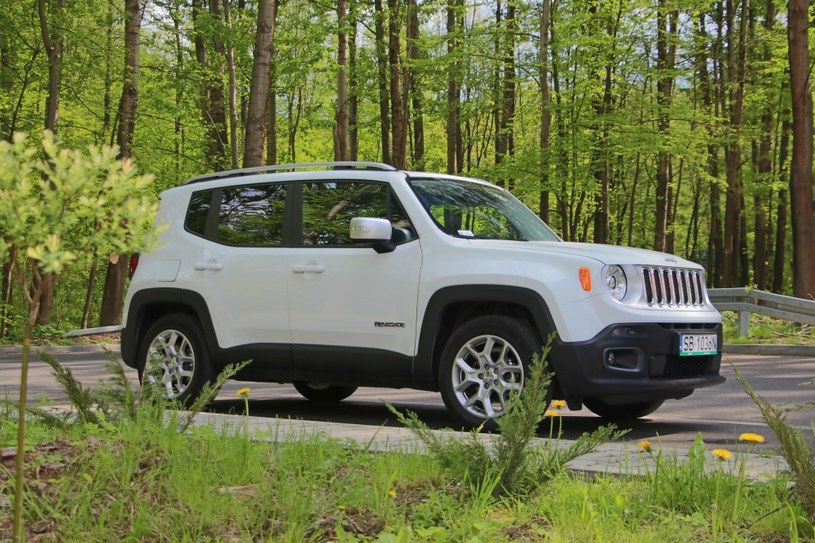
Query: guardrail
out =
(745, 301)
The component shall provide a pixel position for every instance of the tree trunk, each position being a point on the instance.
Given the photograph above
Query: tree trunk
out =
(736, 61)
(259, 87)
(666, 54)
(8, 289)
(233, 95)
(353, 89)
(715, 243)
(86, 307)
(53, 42)
(211, 102)
(6, 79)
(803, 224)
(546, 107)
(113, 293)
(780, 256)
(602, 105)
(506, 128)
(453, 126)
(271, 110)
(382, 72)
(500, 149)
(414, 56)
(397, 100)
(764, 167)
(178, 127)
(341, 128)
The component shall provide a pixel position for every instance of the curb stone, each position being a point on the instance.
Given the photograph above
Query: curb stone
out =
(616, 459)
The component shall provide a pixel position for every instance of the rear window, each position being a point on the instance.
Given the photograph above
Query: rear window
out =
(247, 216)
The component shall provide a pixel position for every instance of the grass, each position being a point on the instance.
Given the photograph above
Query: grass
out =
(767, 331)
(141, 480)
(143, 473)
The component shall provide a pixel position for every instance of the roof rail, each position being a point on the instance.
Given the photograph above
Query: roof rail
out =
(338, 165)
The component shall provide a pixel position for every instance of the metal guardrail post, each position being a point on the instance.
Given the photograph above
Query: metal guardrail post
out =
(744, 323)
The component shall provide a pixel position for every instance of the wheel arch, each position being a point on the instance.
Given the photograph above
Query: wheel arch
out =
(148, 305)
(451, 306)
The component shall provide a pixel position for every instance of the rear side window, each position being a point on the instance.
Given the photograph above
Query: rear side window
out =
(247, 216)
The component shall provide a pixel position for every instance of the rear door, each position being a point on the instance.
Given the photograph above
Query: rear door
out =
(240, 263)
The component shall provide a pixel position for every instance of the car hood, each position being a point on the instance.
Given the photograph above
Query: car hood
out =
(607, 254)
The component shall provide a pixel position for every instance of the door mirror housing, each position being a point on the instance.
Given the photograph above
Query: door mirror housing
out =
(375, 231)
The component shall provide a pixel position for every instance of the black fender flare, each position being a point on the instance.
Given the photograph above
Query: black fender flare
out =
(434, 330)
(162, 301)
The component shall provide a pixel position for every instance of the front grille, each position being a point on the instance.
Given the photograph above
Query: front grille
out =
(686, 366)
(674, 287)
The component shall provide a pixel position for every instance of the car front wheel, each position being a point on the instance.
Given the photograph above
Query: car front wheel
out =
(483, 365)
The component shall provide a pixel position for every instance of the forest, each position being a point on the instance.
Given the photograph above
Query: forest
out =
(683, 126)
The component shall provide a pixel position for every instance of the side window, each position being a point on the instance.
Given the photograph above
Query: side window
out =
(329, 207)
(248, 216)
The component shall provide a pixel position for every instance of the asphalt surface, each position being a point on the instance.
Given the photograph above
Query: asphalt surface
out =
(720, 414)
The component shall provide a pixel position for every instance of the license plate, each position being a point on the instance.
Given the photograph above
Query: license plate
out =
(698, 344)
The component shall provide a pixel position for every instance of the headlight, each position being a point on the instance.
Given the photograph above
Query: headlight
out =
(615, 281)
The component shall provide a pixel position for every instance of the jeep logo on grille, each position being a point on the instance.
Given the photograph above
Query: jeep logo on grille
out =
(671, 259)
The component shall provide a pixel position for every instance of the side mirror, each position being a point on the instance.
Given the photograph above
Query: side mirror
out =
(377, 232)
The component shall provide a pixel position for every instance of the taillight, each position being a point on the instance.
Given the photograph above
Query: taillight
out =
(134, 263)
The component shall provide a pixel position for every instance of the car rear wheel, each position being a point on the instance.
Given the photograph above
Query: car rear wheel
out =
(174, 358)
(321, 393)
(483, 364)
(628, 411)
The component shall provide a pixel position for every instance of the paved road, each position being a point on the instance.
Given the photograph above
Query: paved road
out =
(720, 413)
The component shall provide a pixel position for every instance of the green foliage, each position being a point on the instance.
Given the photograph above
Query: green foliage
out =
(64, 208)
(142, 480)
(183, 68)
(795, 446)
(510, 464)
(71, 205)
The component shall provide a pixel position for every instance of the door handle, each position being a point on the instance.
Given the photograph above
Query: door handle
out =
(307, 268)
(214, 266)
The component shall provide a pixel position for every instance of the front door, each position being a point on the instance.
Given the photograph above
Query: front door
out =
(352, 310)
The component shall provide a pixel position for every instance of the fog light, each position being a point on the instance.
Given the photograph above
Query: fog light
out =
(629, 359)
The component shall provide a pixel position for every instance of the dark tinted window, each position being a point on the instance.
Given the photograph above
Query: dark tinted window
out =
(329, 207)
(249, 216)
(197, 213)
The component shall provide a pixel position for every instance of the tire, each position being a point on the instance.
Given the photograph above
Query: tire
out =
(483, 363)
(623, 412)
(323, 393)
(174, 356)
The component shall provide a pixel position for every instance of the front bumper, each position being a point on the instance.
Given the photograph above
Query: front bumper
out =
(628, 363)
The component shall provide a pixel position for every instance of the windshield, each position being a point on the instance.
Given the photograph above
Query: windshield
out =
(473, 210)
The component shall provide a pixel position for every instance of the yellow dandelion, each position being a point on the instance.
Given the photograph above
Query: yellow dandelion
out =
(751, 438)
(558, 404)
(645, 445)
(722, 454)
(551, 413)
(392, 493)
(244, 392)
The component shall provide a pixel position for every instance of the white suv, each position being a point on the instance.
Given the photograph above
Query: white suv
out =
(337, 275)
